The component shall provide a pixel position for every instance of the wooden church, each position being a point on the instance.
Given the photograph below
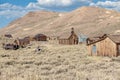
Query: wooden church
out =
(71, 39)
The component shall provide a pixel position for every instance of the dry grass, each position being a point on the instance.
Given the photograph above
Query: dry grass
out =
(56, 62)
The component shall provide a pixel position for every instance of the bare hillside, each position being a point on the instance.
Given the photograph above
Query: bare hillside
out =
(88, 20)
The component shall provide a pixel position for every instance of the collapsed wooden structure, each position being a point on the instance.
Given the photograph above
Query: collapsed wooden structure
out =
(69, 40)
(10, 46)
(106, 45)
(17, 43)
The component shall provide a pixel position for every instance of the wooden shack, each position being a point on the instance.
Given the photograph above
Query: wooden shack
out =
(8, 36)
(40, 37)
(106, 45)
(22, 42)
(10, 46)
(72, 39)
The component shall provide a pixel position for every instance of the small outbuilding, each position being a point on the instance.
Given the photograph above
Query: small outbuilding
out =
(72, 39)
(106, 45)
(40, 37)
(10, 46)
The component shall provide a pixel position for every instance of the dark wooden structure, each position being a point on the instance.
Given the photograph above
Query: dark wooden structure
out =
(69, 40)
(10, 46)
(8, 36)
(106, 45)
(16, 44)
(40, 37)
(22, 42)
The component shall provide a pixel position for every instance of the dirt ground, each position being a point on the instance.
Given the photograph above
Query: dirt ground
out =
(56, 62)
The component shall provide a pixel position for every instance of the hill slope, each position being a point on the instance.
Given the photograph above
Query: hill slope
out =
(88, 20)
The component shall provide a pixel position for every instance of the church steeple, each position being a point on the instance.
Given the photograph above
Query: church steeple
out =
(72, 30)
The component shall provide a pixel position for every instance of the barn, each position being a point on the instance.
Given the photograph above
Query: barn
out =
(71, 39)
(106, 45)
(40, 37)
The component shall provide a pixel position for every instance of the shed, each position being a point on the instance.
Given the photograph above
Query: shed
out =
(106, 45)
(72, 39)
(40, 37)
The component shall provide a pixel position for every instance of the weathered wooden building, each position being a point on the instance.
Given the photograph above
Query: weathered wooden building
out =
(40, 37)
(10, 46)
(106, 45)
(8, 36)
(16, 43)
(72, 39)
(22, 42)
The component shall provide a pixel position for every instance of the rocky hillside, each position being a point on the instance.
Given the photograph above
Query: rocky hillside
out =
(87, 20)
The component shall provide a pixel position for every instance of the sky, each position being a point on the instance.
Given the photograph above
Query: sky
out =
(13, 9)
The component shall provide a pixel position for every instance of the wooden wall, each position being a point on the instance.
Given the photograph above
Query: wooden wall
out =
(64, 41)
(72, 40)
(41, 38)
(104, 48)
(22, 42)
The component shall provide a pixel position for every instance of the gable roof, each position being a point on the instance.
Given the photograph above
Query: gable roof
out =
(66, 35)
(114, 38)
